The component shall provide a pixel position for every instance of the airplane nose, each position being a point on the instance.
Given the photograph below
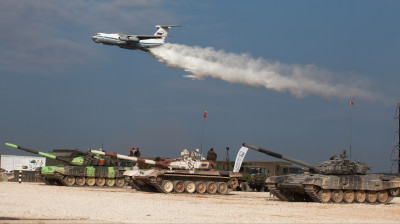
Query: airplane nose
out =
(93, 38)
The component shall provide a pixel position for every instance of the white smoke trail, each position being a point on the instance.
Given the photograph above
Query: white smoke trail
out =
(298, 80)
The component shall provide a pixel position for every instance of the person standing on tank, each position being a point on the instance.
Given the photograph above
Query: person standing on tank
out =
(211, 155)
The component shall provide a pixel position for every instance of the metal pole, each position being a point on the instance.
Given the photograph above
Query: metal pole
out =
(350, 127)
(201, 143)
(398, 146)
(227, 159)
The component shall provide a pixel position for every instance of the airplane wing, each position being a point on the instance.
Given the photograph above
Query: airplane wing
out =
(144, 37)
(137, 38)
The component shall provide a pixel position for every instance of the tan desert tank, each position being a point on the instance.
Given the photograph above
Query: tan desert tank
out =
(188, 174)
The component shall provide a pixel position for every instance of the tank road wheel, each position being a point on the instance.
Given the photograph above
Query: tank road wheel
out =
(244, 186)
(167, 186)
(201, 187)
(337, 196)
(100, 181)
(190, 186)
(233, 183)
(222, 188)
(80, 181)
(360, 196)
(110, 182)
(179, 186)
(394, 192)
(211, 187)
(69, 180)
(159, 180)
(120, 182)
(383, 196)
(372, 196)
(90, 181)
(325, 195)
(348, 196)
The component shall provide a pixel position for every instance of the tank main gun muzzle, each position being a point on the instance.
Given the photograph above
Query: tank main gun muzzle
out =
(32, 151)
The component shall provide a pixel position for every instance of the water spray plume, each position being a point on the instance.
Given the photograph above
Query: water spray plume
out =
(298, 80)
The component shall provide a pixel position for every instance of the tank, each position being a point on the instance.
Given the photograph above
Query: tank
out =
(335, 180)
(188, 174)
(82, 169)
(253, 178)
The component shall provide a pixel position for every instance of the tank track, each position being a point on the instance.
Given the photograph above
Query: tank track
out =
(139, 187)
(43, 179)
(389, 199)
(312, 192)
(133, 184)
(60, 178)
(275, 191)
(157, 185)
(158, 188)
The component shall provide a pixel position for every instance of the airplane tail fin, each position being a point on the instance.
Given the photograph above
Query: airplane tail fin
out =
(163, 30)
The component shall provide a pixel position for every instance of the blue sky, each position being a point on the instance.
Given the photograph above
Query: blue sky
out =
(59, 89)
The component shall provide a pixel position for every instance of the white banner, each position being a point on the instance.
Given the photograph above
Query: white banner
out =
(11, 162)
(239, 158)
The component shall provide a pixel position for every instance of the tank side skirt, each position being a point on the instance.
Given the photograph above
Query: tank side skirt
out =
(353, 183)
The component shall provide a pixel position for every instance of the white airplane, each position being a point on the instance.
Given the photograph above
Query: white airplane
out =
(132, 41)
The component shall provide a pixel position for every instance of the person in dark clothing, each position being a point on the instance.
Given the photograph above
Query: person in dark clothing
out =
(137, 153)
(211, 155)
(132, 151)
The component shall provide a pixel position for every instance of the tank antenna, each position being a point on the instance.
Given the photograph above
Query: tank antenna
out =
(102, 134)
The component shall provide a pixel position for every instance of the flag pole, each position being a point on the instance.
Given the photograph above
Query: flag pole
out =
(351, 103)
(202, 131)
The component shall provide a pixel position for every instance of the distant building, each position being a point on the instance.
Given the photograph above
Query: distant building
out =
(272, 168)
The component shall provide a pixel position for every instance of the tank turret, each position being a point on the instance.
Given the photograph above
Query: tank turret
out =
(335, 180)
(336, 165)
(186, 162)
(77, 158)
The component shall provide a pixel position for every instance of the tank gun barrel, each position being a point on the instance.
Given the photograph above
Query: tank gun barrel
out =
(32, 151)
(130, 158)
(279, 156)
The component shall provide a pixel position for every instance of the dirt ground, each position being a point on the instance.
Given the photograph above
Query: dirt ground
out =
(40, 203)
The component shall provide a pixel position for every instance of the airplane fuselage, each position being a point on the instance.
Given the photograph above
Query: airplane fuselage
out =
(116, 39)
(133, 41)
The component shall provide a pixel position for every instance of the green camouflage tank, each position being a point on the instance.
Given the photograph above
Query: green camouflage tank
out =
(81, 169)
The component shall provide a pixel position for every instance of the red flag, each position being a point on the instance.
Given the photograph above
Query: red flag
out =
(351, 103)
(205, 114)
